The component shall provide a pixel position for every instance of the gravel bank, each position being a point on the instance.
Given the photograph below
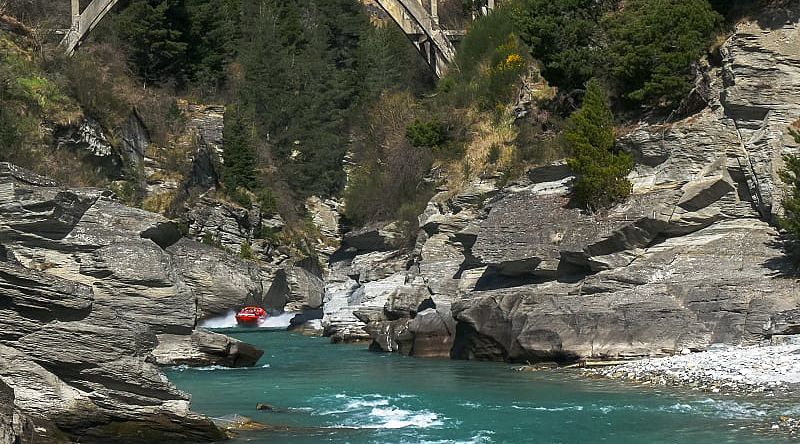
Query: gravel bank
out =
(768, 369)
(771, 371)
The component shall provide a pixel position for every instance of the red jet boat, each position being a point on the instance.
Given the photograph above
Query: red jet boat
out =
(251, 315)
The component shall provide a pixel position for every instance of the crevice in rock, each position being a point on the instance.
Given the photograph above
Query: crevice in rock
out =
(164, 234)
(469, 344)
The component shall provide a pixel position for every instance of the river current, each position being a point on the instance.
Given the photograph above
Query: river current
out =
(324, 393)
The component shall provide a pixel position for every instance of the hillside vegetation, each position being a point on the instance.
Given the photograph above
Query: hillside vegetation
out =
(306, 82)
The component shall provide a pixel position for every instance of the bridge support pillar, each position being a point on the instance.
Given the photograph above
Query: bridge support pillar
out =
(435, 13)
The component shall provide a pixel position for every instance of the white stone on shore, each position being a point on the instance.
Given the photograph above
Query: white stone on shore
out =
(738, 369)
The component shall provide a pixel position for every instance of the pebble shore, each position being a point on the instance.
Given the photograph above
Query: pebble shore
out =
(771, 371)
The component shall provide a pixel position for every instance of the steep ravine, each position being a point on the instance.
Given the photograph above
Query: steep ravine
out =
(94, 294)
(690, 259)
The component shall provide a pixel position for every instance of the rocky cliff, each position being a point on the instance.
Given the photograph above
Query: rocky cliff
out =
(93, 294)
(690, 259)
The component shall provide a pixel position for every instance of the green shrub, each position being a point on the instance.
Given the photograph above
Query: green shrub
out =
(246, 251)
(564, 35)
(430, 133)
(653, 45)
(601, 171)
(507, 65)
(242, 197)
(790, 175)
(795, 134)
(488, 65)
(268, 234)
(267, 201)
(494, 153)
(208, 238)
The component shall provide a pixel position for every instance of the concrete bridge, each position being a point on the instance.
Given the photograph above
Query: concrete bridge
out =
(419, 19)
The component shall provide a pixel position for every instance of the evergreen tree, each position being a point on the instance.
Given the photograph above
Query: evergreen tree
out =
(151, 30)
(212, 37)
(239, 156)
(653, 45)
(790, 175)
(601, 171)
(564, 35)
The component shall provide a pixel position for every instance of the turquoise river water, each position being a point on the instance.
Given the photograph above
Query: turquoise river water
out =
(346, 394)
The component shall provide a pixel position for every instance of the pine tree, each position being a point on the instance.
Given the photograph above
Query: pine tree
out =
(601, 171)
(239, 155)
(653, 45)
(152, 31)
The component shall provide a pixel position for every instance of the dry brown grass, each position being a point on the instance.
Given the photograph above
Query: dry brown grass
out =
(159, 203)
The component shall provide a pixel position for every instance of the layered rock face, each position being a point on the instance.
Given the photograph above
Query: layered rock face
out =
(92, 295)
(688, 260)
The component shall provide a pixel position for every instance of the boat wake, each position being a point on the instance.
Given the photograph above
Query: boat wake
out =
(228, 320)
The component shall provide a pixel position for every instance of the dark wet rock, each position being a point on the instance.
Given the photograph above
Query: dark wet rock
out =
(308, 323)
(433, 331)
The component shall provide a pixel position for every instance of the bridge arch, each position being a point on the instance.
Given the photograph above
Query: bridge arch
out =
(83, 22)
(419, 23)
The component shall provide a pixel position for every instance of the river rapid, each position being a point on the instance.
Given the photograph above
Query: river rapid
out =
(326, 393)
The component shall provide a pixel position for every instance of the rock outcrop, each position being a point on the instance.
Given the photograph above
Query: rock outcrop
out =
(295, 289)
(202, 347)
(92, 295)
(81, 375)
(688, 260)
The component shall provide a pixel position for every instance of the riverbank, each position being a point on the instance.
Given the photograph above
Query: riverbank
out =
(760, 371)
(371, 397)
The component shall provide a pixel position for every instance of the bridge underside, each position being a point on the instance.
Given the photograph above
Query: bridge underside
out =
(419, 21)
(83, 22)
(422, 27)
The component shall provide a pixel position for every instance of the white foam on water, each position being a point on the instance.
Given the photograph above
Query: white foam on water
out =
(372, 411)
(228, 320)
(210, 368)
(361, 403)
(472, 405)
(482, 437)
(397, 418)
(565, 408)
(729, 409)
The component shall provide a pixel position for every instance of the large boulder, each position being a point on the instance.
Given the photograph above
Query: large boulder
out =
(295, 289)
(219, 281)
(30, 300)
(205, 348)
(223, 223)
(136, 279)
(376, 237)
